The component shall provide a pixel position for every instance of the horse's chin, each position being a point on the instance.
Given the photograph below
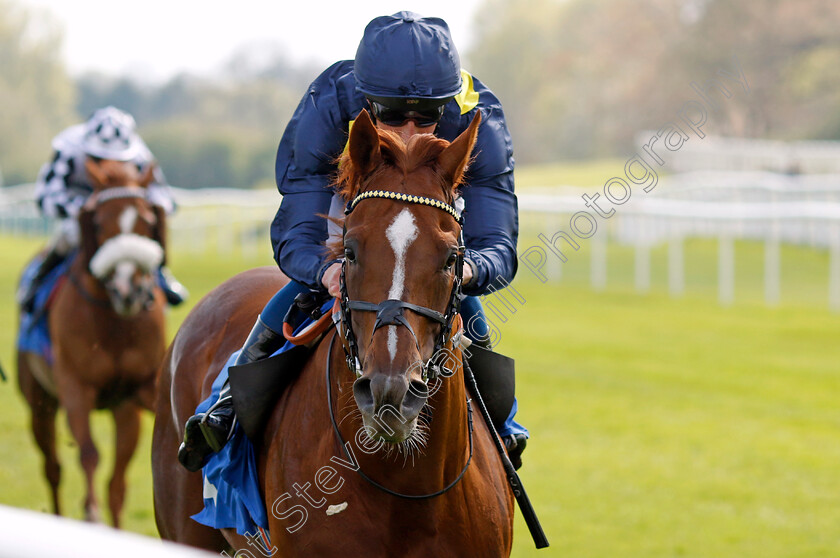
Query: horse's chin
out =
(127, 303)
(128, 307)
(389, 429)
(126, 310)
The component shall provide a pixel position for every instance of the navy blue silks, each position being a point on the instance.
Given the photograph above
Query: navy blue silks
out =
(317, 134)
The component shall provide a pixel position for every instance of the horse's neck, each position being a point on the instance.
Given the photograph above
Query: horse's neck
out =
(86, 279)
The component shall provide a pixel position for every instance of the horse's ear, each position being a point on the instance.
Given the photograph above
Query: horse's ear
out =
(454, 159)
(97, 177)
(148, 175)
(364, 144)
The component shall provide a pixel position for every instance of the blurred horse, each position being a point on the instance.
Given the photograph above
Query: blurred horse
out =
(372, 418)
(106, 324)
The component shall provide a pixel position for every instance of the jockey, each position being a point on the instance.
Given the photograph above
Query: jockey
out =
(407, 74)
(63, 186)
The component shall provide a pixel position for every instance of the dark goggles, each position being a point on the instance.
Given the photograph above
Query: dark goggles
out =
(398, 117)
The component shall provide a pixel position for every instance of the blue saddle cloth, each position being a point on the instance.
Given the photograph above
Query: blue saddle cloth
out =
(232, 497)
(34, 335)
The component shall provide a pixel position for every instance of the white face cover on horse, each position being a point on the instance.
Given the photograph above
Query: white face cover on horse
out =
(144, 252)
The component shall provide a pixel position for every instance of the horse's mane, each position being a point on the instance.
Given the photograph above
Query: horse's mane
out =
(421, 150)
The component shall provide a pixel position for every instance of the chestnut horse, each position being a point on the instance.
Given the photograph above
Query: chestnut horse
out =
(400, 464)
(106, 324)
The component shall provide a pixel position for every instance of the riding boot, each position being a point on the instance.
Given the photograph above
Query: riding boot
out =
(208, 432)
(494, 374)
(27, 297)
(175, 292)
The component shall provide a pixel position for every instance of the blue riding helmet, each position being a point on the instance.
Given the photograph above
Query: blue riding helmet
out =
(408, 60)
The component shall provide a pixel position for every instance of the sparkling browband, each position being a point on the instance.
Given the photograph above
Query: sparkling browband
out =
(406, 198)
(119, 192)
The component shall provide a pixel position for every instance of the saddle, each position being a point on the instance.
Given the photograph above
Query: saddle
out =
(256, 386)
(33, 334)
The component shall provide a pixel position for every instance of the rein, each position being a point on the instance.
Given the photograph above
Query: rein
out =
(359, 469)
(106, 303)
(390, 312)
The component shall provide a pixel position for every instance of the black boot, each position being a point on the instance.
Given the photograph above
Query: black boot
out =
(50, 262)
(206, 433)
(495, 376)
(175, 292)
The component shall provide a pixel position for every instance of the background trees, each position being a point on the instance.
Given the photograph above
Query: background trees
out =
(36, 94)
(578, 79)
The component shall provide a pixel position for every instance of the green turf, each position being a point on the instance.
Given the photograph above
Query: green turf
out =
(588, 174)
(661, 427)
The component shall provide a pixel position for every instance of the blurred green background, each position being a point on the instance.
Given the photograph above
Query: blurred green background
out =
(661, 426)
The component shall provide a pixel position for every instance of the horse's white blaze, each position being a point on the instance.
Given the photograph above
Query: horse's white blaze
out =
(127, 219)
(401, 233)
(123, 272)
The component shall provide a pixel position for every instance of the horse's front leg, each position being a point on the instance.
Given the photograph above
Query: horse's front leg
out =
(127, 423)
(43, 407)
(78, 400)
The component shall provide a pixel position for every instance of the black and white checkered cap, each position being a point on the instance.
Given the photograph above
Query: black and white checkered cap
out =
(111, 134)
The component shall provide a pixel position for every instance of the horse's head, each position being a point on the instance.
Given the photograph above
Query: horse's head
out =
(122, 234)
(402, 264)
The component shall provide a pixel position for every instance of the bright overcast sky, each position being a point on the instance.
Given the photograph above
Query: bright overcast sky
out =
(163, 37)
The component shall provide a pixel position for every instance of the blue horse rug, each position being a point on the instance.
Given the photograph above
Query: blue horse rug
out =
(34, 335)
(232, 497)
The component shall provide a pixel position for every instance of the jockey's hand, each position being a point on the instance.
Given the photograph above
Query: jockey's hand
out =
(330, 279)
(467, 275)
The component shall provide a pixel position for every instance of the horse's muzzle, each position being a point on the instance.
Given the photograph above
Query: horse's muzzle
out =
(389, 405)
(129, 298)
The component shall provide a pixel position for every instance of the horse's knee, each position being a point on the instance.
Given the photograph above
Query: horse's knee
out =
(89, 456)
(116, 487)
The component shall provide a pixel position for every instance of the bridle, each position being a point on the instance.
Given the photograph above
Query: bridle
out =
(390, 312)
(103, 197)
(361, 473)
(120, 192)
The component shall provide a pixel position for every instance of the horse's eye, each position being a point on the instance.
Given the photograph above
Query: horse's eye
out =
(349, 255)
(451, 261)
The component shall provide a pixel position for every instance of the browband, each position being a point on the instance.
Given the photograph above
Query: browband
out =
(384, 194)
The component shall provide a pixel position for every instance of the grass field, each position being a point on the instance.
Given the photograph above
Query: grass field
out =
(660, 427)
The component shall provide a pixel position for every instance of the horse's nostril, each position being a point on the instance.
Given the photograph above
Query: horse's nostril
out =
(415, 398)
(364, 395)
(418, 389)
